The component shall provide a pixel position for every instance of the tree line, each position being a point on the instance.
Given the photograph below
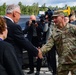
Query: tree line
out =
(33, 9)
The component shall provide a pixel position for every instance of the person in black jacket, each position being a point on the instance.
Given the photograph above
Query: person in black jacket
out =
(15, 35)
(9, 64)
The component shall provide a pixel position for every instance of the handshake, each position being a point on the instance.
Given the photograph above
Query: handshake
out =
(40, 53)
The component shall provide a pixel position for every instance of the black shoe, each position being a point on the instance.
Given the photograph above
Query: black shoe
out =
(37, 73)
(30, 72)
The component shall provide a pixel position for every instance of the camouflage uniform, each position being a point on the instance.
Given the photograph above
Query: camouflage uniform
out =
(65, 41)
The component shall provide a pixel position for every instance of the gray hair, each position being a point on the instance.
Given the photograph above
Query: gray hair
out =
(11, 8)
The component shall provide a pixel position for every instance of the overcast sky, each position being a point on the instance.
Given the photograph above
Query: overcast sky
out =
(59, 3)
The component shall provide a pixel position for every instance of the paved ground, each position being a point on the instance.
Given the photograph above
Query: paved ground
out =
(44, 71)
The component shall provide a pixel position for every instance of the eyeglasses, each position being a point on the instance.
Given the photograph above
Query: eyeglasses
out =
(18, 12)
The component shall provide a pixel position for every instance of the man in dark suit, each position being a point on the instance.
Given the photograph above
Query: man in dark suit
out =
(9, 64)
(15, 35)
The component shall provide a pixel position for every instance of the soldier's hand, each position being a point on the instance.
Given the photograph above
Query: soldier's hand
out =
(40, 54)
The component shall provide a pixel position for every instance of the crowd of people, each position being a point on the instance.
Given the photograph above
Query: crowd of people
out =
(53, 33)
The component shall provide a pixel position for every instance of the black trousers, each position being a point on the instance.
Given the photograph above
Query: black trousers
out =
(35, 42)
(51, 59)
(31, 62)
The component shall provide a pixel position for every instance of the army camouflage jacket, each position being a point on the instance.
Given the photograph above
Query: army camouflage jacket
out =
(65, 42)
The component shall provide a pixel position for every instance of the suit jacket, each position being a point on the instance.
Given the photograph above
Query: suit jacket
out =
(9, 64)
(16, 38)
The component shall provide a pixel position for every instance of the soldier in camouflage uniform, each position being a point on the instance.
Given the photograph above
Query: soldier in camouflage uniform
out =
(64, 37)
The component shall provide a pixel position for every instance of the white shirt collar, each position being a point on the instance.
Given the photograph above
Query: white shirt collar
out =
(9, 18)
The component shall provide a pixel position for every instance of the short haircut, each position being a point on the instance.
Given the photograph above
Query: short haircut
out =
(2, 25)
(11, 8)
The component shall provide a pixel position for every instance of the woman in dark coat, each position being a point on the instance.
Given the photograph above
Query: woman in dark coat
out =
(9, 64)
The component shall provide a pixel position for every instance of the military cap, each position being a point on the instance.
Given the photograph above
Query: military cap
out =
(57, 13)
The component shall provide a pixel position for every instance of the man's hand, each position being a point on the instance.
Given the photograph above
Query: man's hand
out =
(40, 54)
(36, 24)
(30, 22)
